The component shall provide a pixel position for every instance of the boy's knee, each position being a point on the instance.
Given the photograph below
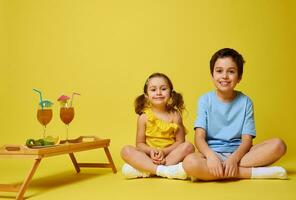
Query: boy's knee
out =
(126, 151)
(279, 146)
(190, 162)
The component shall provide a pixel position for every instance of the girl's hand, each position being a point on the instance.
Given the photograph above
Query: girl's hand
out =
(157, 157)
(215, 166)
(153, 153)
(230, 167)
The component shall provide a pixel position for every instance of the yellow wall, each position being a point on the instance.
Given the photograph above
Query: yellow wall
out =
(106, 49)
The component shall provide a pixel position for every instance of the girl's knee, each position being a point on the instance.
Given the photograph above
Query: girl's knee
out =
(126, 151)
(188, 148)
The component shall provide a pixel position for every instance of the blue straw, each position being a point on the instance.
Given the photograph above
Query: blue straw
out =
(40, 95)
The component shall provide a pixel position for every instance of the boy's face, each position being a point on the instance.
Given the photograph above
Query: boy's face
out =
(225, 75)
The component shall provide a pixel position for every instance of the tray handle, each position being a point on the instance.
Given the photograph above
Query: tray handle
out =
(13, 147)
(81, 139)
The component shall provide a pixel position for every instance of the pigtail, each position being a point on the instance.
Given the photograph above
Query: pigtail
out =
(176, 102)
(139, 104)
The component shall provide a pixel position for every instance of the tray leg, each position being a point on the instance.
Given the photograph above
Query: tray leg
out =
(74, 161)
(110, 159)
(78, 165)
(27, 181)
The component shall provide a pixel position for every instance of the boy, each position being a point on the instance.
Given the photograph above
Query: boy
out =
(225, 128)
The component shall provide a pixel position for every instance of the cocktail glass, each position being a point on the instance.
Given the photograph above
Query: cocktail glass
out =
(67, 115)
(44, 116)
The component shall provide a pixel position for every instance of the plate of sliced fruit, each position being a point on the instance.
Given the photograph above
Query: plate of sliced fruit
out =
(48, 141)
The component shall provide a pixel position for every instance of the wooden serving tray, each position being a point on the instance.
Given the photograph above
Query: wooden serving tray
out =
(82, 143)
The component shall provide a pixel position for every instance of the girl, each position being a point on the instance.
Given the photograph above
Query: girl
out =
(160, 141)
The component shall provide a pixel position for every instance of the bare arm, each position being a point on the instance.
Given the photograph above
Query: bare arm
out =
(141, 138)
(243, 148)
(180, 134)
(231, 163)
(201, 144)
(213, 162)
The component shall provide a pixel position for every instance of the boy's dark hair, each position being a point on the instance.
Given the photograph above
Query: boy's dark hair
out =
(177, 103)
(228, 52)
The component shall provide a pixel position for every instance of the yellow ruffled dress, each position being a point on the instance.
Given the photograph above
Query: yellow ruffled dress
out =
(159, 133)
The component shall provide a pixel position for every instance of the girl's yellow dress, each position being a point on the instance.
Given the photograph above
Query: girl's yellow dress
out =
(159, 133)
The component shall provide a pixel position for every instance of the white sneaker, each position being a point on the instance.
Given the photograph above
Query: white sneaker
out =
(129, 172)
(172, 171)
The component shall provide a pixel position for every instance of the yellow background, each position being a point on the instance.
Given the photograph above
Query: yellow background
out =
(105, 50)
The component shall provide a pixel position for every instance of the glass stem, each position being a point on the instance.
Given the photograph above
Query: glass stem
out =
(67, 127)
(44, 130)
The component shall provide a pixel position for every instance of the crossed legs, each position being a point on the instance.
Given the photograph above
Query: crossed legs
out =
(262, 154)
(143, 162)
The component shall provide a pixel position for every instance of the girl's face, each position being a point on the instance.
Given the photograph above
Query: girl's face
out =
(158, 91)
(225, 75)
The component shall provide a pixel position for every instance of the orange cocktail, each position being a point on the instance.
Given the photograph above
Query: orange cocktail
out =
(44, 116)
(67, 110)
(67, 115)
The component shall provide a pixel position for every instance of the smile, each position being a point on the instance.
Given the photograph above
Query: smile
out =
(224, 83)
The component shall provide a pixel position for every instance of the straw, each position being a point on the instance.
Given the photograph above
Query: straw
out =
(72, 97)
(40, 95)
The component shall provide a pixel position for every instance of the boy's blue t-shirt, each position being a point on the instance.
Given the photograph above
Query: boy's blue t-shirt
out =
(225, 123)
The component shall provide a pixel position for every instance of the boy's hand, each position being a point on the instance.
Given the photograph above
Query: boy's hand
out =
(215, 166)
(230, 166)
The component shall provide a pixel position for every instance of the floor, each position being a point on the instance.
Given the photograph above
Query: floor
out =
(57, 179)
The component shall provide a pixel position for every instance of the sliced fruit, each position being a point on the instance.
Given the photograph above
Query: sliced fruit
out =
(39, 142)
(30, 142)
(50, 140)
